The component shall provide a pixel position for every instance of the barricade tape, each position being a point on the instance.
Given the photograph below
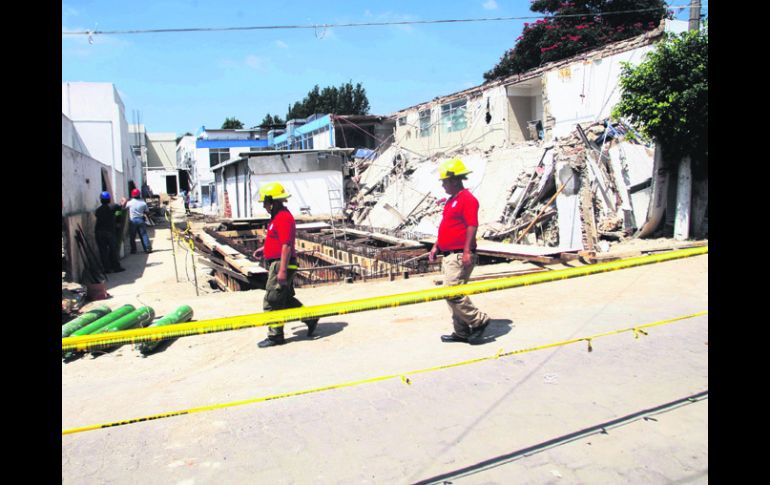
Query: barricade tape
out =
(151, 334)
(402, 375)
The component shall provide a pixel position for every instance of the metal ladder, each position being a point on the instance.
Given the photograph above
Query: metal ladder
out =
(336, 208)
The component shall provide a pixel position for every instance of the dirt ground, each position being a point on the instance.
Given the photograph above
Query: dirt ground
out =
(617, 414)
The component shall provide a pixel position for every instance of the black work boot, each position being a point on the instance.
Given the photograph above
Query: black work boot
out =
(454, 338)
(270, 342)
(477, 333)
(311, 325)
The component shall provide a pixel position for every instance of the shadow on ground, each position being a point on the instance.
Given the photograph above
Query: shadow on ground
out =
(324, 329)
(497, 328)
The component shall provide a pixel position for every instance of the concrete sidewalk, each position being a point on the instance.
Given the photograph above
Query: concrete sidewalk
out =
(508, 420)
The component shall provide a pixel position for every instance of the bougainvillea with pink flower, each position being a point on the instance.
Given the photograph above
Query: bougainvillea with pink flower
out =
(576, 26)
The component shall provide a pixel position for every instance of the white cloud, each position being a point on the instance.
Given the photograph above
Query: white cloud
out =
(490, 5)
(255, 62)
(281, 44)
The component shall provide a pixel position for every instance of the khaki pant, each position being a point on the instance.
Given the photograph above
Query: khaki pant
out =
(279, 297)
(465, 315)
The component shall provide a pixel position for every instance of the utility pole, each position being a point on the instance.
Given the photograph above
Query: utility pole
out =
(694, 15)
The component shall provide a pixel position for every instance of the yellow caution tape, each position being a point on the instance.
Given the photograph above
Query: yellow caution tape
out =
(152, 334)
(401, 376)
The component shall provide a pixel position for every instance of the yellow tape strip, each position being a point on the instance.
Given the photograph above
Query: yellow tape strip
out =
(401, 375)
(151, 334)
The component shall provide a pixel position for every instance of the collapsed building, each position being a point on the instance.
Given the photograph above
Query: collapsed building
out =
(553, 176)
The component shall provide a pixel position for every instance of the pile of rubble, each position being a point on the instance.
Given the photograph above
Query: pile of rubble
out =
(577, 193)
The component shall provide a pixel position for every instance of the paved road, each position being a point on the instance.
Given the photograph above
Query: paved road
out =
(535, 417)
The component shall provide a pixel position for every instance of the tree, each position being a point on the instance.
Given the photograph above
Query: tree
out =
(180, 137)
(667, 96)
(576, 26)
(232, 124)
(345, 100)
(270, 120)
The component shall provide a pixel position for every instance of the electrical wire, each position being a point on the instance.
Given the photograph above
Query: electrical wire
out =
(315, 27)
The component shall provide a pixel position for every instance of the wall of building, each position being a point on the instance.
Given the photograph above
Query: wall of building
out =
(586, 90)
(161, 151)
(81, 184)
(156, 180)
(98, 115)
(307, 176)
(478, 132)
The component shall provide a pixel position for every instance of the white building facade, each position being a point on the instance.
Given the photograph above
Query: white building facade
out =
(98, 116)
(543, 103)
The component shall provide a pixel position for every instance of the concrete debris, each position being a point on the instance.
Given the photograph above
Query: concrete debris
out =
(592, 185)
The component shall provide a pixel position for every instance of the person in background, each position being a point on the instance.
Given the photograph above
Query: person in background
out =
(106, 233)
(281, 260)
(457, 243)
(186, 200)
(137, 208)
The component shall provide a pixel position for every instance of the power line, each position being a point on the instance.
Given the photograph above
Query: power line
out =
(364, 24)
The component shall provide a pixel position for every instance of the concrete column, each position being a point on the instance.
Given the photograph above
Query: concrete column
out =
(683, 197)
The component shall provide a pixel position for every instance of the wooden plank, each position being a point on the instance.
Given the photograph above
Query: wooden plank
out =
(245, 266)
(241, 233)
(382, 237)
(515, 249)
(226, 250)
(224, 270)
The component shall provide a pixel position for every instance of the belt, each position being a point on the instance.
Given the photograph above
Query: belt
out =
(454, 251)
(292, 262)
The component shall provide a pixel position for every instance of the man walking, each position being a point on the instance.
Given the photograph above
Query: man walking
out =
(105, 233)
(457, 243)
(137, 208)
(281, 260)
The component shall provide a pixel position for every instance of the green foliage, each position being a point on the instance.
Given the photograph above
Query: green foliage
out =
(232, 124)
(345, 100)
(667, 97)
(270, 120)
(180, 137)
(559, 36)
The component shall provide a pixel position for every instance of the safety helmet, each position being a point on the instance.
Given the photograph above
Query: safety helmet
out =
(452, 168)
(105, 196)
(135, 193)
(274, 190)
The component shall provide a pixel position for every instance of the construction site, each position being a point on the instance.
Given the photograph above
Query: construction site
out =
(589, 258)
(202, 270)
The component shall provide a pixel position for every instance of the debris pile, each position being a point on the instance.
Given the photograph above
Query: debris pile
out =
(576, 193)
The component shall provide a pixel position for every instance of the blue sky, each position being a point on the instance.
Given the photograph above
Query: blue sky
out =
(179, 82)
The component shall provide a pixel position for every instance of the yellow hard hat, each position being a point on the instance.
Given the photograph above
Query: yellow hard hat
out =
(452, 168)
(274, 190)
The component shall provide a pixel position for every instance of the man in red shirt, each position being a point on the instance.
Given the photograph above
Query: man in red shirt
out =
(457, 243)
(281, 258)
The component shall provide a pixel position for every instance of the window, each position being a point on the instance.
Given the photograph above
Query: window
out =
(453, 116)
(402, 121)
(425, 123)
(218, 155)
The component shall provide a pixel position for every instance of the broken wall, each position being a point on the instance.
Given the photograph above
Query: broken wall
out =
(479, 132)
(585, 90)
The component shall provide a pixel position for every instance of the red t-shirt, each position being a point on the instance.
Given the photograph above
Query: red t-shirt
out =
(460, 211)
(280, 231)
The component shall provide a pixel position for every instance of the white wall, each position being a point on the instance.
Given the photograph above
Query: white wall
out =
(161, 150)
(307, 189)
(322, 140)
(586, 91)
(81, 184)
(156, 179)
(478, 133)
(81, 181)
(98, 115)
